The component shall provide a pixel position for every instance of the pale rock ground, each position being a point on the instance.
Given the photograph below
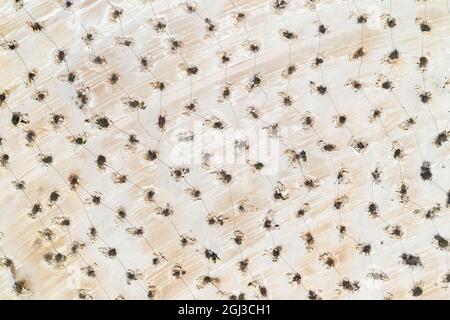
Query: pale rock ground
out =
(64, 28)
